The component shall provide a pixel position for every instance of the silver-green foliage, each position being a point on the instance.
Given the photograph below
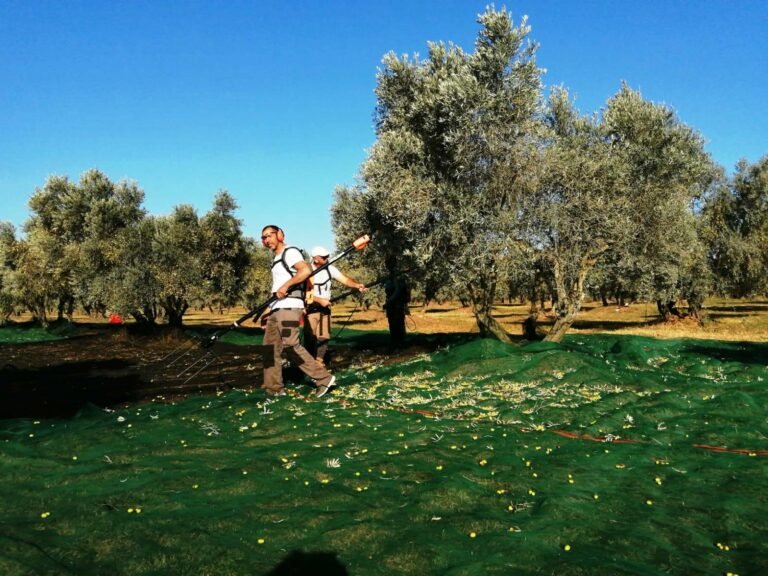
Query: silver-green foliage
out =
(67, 254)
(92, 243)
(737, 219)
(455, 146)
(668, 171)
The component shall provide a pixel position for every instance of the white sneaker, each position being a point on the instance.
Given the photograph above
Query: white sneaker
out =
(322, 389)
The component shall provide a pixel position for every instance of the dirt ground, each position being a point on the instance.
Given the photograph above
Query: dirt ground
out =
(106, 367)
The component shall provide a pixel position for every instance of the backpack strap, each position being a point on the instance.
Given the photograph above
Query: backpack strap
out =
(296, 291)
(328, 281)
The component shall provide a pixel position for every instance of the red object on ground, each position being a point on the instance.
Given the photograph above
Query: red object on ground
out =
(115, 319)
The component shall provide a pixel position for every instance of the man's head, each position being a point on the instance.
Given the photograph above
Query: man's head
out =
(319, 255)
(272, 237)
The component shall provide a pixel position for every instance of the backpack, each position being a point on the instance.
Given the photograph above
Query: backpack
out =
(296, 291)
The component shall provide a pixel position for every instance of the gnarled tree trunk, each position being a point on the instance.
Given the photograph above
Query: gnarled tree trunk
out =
(481, 296)
(567, 310)
(174, 309)
(39, 311)
(667, 309)
(570, 293)
(147, 316)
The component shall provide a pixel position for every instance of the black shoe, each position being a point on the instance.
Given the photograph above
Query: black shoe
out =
(322, 389)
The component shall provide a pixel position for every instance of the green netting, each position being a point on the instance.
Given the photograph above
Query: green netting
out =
(34, 333)
(602, 455)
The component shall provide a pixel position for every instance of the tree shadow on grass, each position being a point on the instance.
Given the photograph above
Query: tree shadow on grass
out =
(439, 310)
(57, 379)
(350, 322)
(741, 352)
(379, 340)
(520, 315)
(610, 325)
(738, 309)
(62, 389)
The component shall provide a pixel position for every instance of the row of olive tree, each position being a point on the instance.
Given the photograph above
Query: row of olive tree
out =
(481, 186)
(92, 244)
(736, 230)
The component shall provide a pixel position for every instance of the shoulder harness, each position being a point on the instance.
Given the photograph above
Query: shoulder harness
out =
(296, 291)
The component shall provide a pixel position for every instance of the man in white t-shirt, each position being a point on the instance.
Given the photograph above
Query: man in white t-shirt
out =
(289, 273)
(317, 328)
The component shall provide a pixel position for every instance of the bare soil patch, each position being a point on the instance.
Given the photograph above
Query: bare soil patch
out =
(107, 366)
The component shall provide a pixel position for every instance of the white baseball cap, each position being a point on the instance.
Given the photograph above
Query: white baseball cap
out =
(320, 251)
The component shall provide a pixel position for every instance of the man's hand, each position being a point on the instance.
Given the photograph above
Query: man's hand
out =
(282, 292)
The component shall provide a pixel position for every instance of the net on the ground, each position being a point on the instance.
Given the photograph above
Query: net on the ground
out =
(602, 455)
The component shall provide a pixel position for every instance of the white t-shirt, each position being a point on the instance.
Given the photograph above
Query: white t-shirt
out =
(321, 282)
(280, 276)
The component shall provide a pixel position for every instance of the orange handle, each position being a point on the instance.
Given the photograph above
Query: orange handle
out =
(361, 242)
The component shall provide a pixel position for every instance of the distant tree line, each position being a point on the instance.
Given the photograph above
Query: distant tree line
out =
(481, 185)
(91, 244)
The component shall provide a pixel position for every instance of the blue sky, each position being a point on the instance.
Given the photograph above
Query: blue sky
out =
(273, 101)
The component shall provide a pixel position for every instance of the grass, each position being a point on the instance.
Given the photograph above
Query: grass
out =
(725, 319)
(734, 320)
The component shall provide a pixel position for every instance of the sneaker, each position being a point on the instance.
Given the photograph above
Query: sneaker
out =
(322, 389)
(271, 394)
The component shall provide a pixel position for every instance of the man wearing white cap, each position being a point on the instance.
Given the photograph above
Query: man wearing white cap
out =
(317, 328)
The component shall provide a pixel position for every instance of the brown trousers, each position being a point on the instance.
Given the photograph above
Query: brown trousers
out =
(282, 334)
(317, 334)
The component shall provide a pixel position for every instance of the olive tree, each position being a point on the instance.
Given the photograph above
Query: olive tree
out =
(178, 264)
(668, 172)
(454, 151)
(79, 223)
(10, 300)
(42, 274)
(577, 211)
(614, 203)
(736, 216)
(134, 288)
(169, 263)
(224, 255)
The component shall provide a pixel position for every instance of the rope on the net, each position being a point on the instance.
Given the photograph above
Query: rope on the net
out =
(732, 450)
(617, 440)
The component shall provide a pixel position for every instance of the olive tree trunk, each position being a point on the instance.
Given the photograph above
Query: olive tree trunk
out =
(481, 299)
(570, 294)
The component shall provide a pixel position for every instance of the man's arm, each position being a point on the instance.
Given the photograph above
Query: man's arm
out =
(350, 283)
(302, 273)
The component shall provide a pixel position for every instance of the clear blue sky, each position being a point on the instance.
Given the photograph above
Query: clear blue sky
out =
(273, 100)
